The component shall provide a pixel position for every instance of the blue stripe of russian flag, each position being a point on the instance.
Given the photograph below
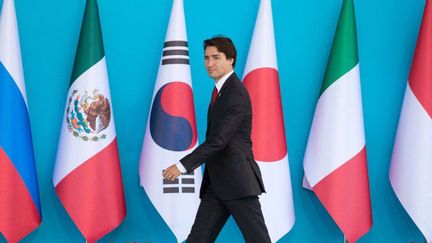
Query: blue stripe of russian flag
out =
(15, 133)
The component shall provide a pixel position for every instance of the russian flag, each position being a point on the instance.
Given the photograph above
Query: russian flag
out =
(20, 211)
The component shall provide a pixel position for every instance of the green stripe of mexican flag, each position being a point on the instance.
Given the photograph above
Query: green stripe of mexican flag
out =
(90, 46)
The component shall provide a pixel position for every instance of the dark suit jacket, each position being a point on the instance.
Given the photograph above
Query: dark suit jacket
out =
(230, 171)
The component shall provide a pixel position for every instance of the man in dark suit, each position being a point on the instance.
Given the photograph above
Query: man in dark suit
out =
(232, 179)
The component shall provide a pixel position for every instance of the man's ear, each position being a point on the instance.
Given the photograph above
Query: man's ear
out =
(231, 61)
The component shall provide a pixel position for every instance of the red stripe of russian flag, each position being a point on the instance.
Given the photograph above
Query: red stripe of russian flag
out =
(18, 214)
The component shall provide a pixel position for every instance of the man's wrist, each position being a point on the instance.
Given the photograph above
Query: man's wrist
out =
(180, 167)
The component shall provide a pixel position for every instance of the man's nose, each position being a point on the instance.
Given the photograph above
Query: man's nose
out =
(210, 63)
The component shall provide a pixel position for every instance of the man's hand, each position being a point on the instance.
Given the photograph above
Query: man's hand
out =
(171, 173)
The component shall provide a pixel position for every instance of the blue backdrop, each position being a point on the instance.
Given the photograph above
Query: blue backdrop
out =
(134, 32)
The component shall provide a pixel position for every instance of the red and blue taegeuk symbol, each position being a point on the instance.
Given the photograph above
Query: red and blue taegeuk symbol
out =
(172, 118)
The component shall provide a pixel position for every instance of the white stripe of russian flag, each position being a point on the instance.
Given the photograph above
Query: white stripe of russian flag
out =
(10, 51)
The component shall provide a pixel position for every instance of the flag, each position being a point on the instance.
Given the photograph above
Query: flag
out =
(87, 174)
(335, 160)
(411, 165)
(261, 79)
(20, 210)
(171, 132)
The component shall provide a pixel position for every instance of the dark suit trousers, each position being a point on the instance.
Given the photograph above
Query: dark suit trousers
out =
(213, 213)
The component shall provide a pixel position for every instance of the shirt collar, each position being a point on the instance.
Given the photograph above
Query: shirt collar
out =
(221, 81)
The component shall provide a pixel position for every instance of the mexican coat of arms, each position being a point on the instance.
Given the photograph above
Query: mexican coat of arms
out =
(87, 115)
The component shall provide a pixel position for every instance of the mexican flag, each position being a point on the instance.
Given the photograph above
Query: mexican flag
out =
(87, 175)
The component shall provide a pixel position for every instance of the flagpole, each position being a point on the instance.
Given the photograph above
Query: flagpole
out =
(345, 240)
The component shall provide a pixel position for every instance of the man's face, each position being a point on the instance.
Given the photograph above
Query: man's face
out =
(216, 63)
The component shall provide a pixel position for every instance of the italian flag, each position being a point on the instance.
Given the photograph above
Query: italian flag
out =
(335, 161)
(87, 175)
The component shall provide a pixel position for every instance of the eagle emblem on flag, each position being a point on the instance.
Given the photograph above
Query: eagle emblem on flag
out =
(88, 114)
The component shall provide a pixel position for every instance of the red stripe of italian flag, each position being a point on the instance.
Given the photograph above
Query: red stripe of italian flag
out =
(335, 161)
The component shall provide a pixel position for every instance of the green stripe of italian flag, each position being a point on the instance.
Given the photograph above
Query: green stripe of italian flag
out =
(335, 161)
(87, 174)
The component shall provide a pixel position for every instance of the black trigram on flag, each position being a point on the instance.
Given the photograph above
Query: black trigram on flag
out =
(183, 184)
(175, 52)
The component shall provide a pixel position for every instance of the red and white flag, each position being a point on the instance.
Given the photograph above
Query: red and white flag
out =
(261, 79)
(411, 165)
(87, 174)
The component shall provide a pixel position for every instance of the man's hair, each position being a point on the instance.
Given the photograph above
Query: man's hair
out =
(223, 44)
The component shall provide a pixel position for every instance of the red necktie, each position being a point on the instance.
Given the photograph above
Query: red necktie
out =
(214, 96)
